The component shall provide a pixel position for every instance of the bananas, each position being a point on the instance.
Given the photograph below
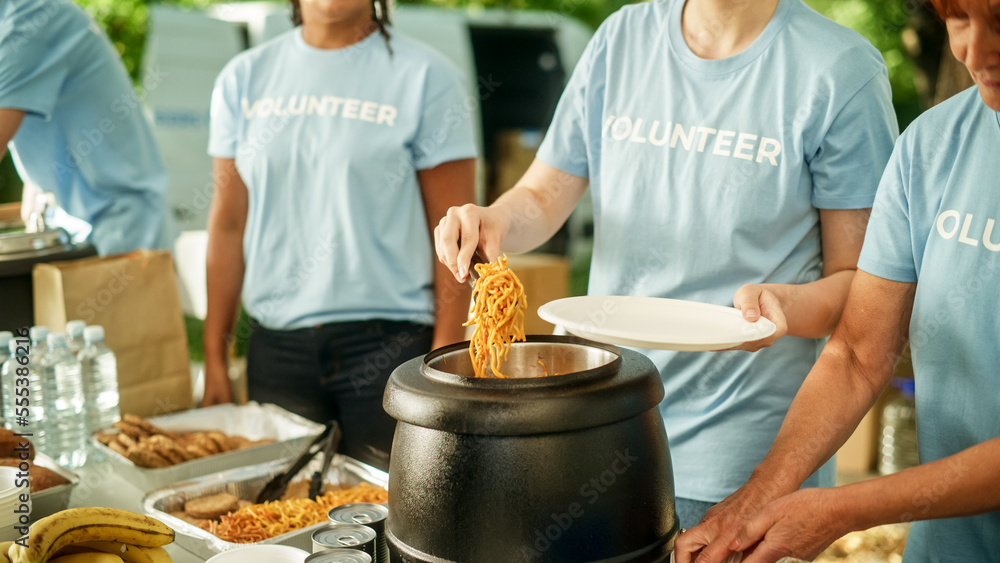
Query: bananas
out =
(4, 546)
(78, 525)
(91, 557)
(128, 553)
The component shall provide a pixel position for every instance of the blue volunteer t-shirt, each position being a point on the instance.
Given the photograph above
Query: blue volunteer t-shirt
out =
(328, 143)
(935, 224)
(84, 136)
(708, 174)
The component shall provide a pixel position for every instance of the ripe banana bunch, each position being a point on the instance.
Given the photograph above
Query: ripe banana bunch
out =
(94, 535)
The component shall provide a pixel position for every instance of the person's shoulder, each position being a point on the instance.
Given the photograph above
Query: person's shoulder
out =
(27, 26)
(262, 54)
(270, 48)
(417, 56)
(411, 50)
(819, 39)
(946, 120)
(632, 18)
(640, 12)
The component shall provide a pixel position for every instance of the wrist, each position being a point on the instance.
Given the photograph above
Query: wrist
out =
(773, 482)
(502, 216)
(217, 374)
(840, 517)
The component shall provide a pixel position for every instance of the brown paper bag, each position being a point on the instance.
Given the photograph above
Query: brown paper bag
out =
(134, 297)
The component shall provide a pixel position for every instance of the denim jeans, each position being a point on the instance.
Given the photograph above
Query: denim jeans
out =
(336, 372)
(690, 512)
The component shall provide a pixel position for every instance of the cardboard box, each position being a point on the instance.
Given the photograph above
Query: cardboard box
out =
(545, 278)
(514, 151)
(10, 214)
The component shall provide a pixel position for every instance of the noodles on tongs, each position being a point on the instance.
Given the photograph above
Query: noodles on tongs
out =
(498, 313)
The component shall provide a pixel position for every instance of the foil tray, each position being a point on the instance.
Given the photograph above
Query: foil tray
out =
(53, 499)
(291, 434)
(245, 484)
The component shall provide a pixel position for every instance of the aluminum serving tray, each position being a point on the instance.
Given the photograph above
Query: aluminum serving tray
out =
(246, 483)
(291, 433)
(53, 499)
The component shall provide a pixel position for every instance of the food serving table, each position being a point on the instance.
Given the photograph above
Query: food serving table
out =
(99, 486)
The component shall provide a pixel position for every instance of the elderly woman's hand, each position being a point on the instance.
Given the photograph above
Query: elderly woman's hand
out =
(799, 525)
(756, 301)
(710, 540)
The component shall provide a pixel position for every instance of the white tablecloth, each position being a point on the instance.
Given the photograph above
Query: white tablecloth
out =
(99, 486)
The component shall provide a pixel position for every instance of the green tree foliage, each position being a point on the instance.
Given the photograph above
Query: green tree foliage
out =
(125, 22)
(884, 23)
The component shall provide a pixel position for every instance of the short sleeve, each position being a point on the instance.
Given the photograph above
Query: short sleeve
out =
(888, 248)
(224, 115)
(30, 78)
(853, 152)
(445, 130)
(565, 146)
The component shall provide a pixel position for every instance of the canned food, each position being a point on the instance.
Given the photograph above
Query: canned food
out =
(339, 555)
(353, 536)
(368, 514)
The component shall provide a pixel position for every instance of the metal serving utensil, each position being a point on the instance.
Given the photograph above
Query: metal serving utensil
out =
(327, 442)
(329, 451)
(477, 258)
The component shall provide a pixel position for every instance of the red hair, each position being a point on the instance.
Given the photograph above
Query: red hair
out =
(950, 8)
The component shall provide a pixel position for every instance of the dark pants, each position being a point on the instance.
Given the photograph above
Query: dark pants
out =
(336, 372)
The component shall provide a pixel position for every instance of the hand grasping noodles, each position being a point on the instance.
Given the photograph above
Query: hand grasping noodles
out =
(498, 313)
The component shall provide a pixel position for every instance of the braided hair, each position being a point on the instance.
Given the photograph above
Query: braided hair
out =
(380, 18)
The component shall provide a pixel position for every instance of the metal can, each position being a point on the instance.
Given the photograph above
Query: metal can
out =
(339, 555)
(367, 514)
(352, 536)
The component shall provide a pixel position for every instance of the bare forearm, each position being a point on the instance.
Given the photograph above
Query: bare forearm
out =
(538, 206)
(855, 366)
(963, 484)
(812, 310)
(826, 410)
(452, 307)
(225, 270)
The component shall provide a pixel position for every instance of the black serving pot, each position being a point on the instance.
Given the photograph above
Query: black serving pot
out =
(569, 468)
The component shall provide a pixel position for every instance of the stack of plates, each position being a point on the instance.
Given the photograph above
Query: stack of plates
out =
(10, 502)
(262, 554)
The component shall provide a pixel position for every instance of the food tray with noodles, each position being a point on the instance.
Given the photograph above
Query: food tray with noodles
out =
(290, 432)
(53, 499)
(245, 483)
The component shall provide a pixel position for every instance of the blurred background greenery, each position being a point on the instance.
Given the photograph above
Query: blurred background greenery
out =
(909, 38)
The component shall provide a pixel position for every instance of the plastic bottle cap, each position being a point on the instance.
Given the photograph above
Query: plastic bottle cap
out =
(38, 333)
(56, 339)
(93, 333)
(5, 338)
(75, 328)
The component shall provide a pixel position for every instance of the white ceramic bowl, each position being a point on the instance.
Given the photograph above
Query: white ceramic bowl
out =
(262, 554)
(8, 478)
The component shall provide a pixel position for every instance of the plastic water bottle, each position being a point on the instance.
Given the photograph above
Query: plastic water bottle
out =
(36, 422)
(74, 336)
(899, 430)
(39, 342)
(6, 390)
(67, 432)
(100, 380)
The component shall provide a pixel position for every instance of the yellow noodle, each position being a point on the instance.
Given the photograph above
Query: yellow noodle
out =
(498, 313)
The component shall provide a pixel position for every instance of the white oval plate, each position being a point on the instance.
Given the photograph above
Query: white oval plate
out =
(653, 322)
